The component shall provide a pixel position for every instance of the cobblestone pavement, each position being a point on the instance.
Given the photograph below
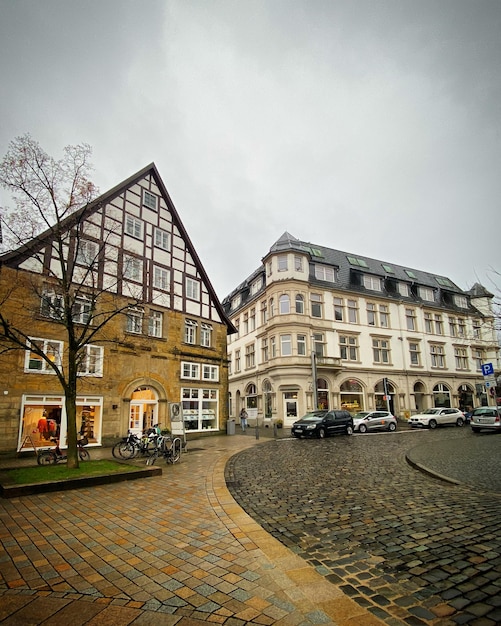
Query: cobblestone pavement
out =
(411, 548)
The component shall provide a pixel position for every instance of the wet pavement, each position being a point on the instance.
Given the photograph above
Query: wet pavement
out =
(343, 531)
(410, 547)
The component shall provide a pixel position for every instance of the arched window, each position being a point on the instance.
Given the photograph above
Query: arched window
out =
(300, 304)
(322, 394)
(352, 396)
(285, 305)
(441, 396)
(268, 399)
(251, 396)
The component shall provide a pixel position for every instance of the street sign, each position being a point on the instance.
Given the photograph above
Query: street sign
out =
(487, 369)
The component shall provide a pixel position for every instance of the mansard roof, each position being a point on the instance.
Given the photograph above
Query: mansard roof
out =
(350, 266)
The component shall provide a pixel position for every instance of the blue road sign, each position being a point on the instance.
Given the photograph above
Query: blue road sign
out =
(487, 369)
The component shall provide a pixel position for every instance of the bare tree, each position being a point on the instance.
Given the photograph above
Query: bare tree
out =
(52, 201)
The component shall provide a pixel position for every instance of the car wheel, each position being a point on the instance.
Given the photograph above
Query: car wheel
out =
(476, 430)
(362, 428)
(392, 426)
(432, 424)
(322, 433)
(349, 430)
(459, 421)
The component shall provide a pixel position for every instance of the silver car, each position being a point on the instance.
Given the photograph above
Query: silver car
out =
(374, 420)
(486, 417)
(440, 416)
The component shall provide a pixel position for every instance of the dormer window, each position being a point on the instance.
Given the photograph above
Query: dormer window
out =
(410, 274)
(404, 289)
(326, 273)
(235, 303)
(461, 301)
(425, 293)
(372, 282)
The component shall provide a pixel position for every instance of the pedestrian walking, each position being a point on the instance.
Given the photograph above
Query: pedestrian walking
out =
(243, 419)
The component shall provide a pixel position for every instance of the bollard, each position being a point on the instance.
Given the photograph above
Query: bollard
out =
(275, 431)
(257, 431)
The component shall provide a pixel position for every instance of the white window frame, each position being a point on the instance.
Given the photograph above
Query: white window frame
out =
(190, 370)
(133, 268)
(404, 289)
(82, 310)
(192, 289)
(415, 353)
(437, 355)
(135, 320)
(155, 323)
(49, 347)
(250, 356)
(91, 363)
(161, 278)
(190, 331)
(372, 282)
(348, 348)
(162, 239)
(284, 304)
(282, 262)
(301, 345)
(210, 372)
(316, 305)
(410, 317)
(133, 226)
(461, 357)
(427, 294)
(205, 335)
(381, 352)
(286, 345)
(461, 301)
(87, 252)
(150, 200)
(52, 305)
(325, 273)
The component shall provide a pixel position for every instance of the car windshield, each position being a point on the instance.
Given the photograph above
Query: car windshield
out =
(312, 417)
(361, 415)
(431, 411)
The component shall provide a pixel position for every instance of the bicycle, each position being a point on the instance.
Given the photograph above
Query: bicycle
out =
(169, 448)
(54, 455)
(131, 446)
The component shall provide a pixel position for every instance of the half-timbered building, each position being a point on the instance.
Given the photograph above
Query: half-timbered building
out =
(166, 351)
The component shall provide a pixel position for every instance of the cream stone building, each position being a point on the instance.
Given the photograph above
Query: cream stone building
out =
(163, 358)
(319, 327)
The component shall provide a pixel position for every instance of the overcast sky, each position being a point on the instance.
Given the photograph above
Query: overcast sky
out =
(369, 126)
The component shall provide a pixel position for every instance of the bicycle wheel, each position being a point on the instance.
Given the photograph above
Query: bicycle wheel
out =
(151, 459)
(83, 454)
(46, 458)
(126, 450)
(115, 451)
(175, 451)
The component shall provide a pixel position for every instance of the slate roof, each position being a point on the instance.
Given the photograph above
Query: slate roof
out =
(351, 267)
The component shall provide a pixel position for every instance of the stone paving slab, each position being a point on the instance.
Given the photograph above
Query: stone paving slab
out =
(170, 549)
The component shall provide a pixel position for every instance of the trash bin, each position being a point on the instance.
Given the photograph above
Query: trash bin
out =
(230, 427)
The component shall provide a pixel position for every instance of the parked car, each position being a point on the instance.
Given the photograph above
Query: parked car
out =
(431, 418)
(486, 417)
(374, 420)
(323, 424)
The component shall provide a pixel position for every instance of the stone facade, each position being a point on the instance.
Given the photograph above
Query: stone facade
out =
(372, 335)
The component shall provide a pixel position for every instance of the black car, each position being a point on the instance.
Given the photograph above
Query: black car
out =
(322, 424)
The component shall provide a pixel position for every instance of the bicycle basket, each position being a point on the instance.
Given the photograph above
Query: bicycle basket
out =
(83, 441)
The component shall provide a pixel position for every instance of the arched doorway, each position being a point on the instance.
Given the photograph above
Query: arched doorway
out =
(251, 400)
(323, 394)
(382, 403)
(267, 400)
(419, 392)
(466, 397)
(441, 396)
(352, 396)
(143, 412)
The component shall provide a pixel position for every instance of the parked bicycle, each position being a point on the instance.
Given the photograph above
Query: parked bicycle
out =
(51, 456)
(132, 446)
(167, 447)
